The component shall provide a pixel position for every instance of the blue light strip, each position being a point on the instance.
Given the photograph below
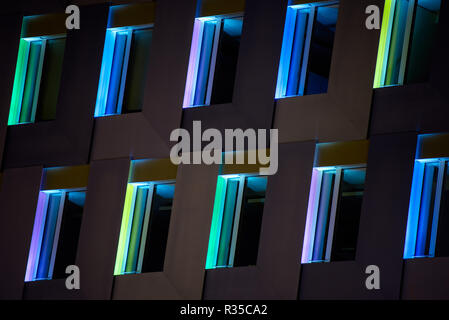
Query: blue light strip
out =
(413, 212)
(105, 74)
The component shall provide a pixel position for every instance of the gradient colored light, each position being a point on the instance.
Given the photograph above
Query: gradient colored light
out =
(312, 210)
(19, 81)
(217, 215)
(105, 73)
(420, 215)
(194, 58)
(36, 239)
(125, 230)
(384, 43)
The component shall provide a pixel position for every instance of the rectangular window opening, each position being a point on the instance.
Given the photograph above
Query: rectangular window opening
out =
(144, 230)
(37, 79)
(333, 216)
(408, 34)
(428, 217)
(307, 47)
(213, 60)
(123, 70)
(55, 235)
(236, 221)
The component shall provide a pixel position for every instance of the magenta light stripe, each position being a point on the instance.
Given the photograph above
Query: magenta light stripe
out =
(193, 64)
(311, 217)
(36, 237)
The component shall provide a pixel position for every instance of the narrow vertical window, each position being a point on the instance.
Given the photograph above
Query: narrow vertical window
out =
(37, 79)
(428, 211)
(333, 215)
(55, 234)
(307, 49)
(123, 70)
(236, 221)
(213, 60)
(144, 230)
(408, 33)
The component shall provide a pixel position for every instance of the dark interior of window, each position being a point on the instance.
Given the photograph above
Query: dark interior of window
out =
(156, 242)
(69, 232)
(320, 54)
(51, 79)
(250, 221)
(226, 61)
(348, 214)
(137, 70)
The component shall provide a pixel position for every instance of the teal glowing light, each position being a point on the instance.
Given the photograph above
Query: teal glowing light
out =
(217, 216)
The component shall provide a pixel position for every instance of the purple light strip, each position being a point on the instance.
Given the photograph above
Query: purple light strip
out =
(38, 229)
(311, 217)
(193, 64)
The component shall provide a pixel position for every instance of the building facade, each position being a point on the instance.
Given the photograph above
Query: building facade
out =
(86, 178)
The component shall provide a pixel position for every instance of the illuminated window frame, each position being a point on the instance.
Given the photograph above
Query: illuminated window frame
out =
(127, 224)
(198, 47)
(419, 214)
(382, 64)
(107, 68)
(22, 68)
(284, 73)
(312, 212)
(217, 219)
(38, 233)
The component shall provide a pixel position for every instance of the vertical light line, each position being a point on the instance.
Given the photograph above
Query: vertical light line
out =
(36, 238)
(384, 43)
(214, 237)
(407, 35)
(105, 73)
(54, 248)
(305, 62)
(331, 226)
(38, 80)
(314, 196)
(124, 71)
(286, 51)
(413, 211)
(143, 239)
(19, 82)
(235, 228)
(436, 209)
(120, 260)
(213, 61)
(192, 70)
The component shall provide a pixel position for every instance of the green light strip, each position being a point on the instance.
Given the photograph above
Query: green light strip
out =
(19, 79)
(384, 43)
(124, 230)
(215, 228)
